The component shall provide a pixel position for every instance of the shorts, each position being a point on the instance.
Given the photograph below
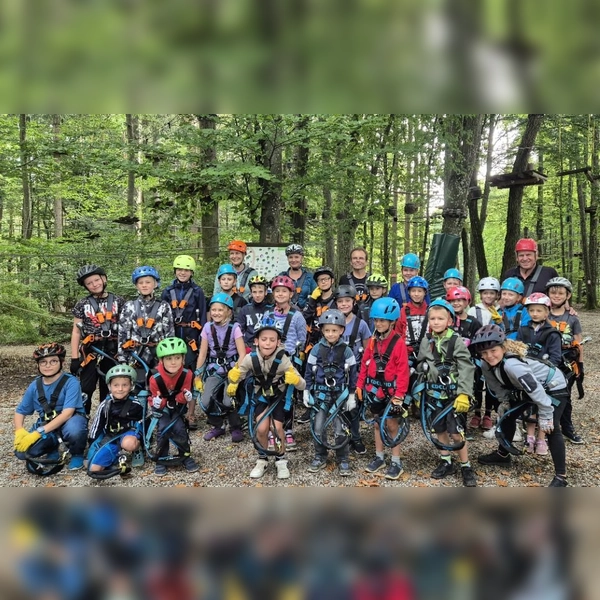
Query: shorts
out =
(108, 453)
(452, 423)
(278, 413)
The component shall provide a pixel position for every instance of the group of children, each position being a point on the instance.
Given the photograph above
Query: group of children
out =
(345, 358)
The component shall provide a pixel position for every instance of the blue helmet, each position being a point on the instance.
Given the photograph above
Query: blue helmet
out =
(268, 323)
(417, 281)
(145, 271)
(453, 274)
(226, 270)
(385, 308)
(222, 298)
(443, 304)
(410, 261)
(513, 284)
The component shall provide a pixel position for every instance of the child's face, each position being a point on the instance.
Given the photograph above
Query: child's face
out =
(324, 282)
(183, 275)
(172, 363)
(417, 294)
(146, 285)
(459, 305)
(219, 312)
(282, 295)
(493, 356)
(332, 333)
(376, 291)
(382, 325)
(120, 387)
(408, 273)
(451, 282)
(489, 297)
(345, 305)
(258, 293)
(94, 284)
(439, 319)
(236, 258)
(538, 312)
(49, 366)
(267, 342)
(295, 261)
(509, 298)
(227, 282)
(558, 295)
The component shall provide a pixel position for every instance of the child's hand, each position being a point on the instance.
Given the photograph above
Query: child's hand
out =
(235, 375)
(546, 425)
(157, 402)
(232, 389)
(462, 403)
(187, 395)
(291, 377)
(74, 366)
(27, 441)
(359, 394)
(308, 399)
(351, 402)
(316, 293)
(198, 384)
(19, 435)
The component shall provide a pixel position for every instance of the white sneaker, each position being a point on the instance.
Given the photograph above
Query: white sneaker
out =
(282, 469)
(518, 437)
(259, 469)
(490, 434)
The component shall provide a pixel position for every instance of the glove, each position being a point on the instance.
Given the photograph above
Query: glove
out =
(187, 395)
(316, 293)
(199, 384)
(27, 441)
(235, 375)
(232, 389)
(302, 356)
(291, 377)
(496, 317)
(462, 403)
(351, 402)
(307, 399)
(546, 425)
(74, 366)
(19, 435)
(157, 402)
(581, 373)
(359, 394)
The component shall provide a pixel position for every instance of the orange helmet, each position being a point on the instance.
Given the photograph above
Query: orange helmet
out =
(238, 246)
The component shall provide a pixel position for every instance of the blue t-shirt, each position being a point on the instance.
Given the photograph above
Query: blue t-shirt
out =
(69, 397)
(362, 337)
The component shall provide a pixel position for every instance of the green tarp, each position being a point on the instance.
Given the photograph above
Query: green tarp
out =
(442, 256)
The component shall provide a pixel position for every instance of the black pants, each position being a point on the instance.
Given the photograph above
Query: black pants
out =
(89, 377)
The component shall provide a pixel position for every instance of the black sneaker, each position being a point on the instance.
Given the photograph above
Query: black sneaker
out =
(558, 482)
(358, 447)
(494, 458)
(394, 471)
(573, 436)
(304, 417)
(344, 468)
(468, 477)
(375, 465)
(444, 469)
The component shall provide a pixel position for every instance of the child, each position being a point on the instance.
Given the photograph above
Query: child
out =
(243, 272)
(251, 315)
(356, 335)
(226, 275)
(144, 321)
(559, 289)
(221, 346)
(304, 283)
(95, 323)
(384, 375)
(409, 266)
(511, 310)
(377, 286)
(412, 323)
(507, 370)
(118, 414)
(452, 278)
(486, 311)
(444, 358)
(272, 371)
(330, 374)
(56, 397)
(188, 305)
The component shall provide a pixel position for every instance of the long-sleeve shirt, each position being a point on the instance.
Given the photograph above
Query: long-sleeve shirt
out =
(170, 382)
(246, 367)
(327, 361)
(141, 307)
(295, 336)
(109, 417)
(193, 310)
(543, 340)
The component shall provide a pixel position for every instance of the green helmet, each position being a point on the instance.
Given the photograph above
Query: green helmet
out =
(121, 371)
(183, 261)
(375, 280)
(170, 346)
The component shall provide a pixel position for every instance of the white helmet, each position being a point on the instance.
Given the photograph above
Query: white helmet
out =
(488, 283)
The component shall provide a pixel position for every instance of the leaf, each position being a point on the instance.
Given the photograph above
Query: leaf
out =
(501, 483)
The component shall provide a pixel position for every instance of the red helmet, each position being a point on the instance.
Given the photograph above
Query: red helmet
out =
(526, 245)
(283, 281)
(238, 246)
(460, 292)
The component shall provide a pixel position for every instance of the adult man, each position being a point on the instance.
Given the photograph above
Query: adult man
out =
(357, 278)
(534, 276)
(237, 255)
(302, 278)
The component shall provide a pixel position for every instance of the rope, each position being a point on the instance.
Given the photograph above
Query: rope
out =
(33, 312)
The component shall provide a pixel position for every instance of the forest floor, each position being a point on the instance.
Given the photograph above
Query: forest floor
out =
(224, 464)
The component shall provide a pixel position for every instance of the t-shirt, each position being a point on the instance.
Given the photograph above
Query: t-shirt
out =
(86, 311)
(69, 397)
(221, 332)
(358, 283)
(569, 330)
(362, 336)
(543, 277)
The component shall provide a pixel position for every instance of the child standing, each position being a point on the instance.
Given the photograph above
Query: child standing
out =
(445, 359)
(486, 311)
(409, 267)
(413, 316)
(250, 316)
(377, 286)
(452, 278)
(318, 302)
(226, 276)
(221, 346)
(383, 378)
(171, 392)
(273, 371)
(511, 310)
(330, 376)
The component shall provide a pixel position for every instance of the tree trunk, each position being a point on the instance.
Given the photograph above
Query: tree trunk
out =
(515, 196)
(58, 203)
(329, 257)
(591, 299)
(299, 200)
(27, 223)
(271, 159)
(131, 125)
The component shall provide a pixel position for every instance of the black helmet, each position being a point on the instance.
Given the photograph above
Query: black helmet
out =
(87, 270)
(345, 291)
(323, 271)
(488, 336)
(50, 349)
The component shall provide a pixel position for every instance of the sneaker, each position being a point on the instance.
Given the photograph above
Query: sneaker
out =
(475, 422)
(541, 447)
(271, 442)
(394, 471)
(490, 434)
(494, 458)
(486, 422)
(316, 465)
(344, 468)
(282, 469)
(192, 423)
(76, 463)
(215, 432)
(444, 469)
(160, 470)
(530, 444)
(518, 437)
(259, 468)
(304, 417)
(375, 465)
(573, 436)
(558, 482)
(358, 447)
(237, 436)
(191, 466)
(468, 477)
(290, 442)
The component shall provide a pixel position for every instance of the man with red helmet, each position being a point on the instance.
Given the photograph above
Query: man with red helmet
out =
(534, 276)
(237, 256)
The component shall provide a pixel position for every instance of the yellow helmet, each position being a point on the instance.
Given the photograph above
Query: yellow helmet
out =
(183, 261)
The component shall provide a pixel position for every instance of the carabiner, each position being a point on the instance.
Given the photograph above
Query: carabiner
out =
(330, 382)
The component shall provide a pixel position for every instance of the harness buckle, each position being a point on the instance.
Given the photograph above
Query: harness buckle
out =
(144, 340)
(330, 382)
(445, 379)
(222, 362)
(178, 320)
(105, 333)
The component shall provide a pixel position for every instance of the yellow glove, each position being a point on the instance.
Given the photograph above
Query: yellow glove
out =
(232, 389)
(19, 435)
(291, 377)
(27, 441)
(495, 315)
(462, 403)
(316, 293)
(199, 384)
(235, 375)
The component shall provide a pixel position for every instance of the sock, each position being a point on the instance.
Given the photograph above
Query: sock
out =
(396, 460)
(279, 457)
(380, 455)
(465, 464)
(446, 457)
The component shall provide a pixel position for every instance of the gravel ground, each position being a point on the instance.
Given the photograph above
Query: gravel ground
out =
(223, 464)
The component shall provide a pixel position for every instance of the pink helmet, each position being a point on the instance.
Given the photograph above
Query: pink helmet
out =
(284, 281)
(538, 298)
(526, 245)
(460, 292)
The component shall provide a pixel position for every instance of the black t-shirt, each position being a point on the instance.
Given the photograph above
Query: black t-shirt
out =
(359, 284)
(544, 275)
